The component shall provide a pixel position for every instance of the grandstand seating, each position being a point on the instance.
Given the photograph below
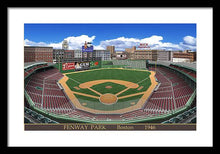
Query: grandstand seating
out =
(32, 69)
(187, 71)
(172, 94)
(45, 93)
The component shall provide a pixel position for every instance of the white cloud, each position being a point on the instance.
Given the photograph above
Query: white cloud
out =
(167, 46)
(98, 47)
(189, 40)
(31, 43)
(75, 42)
(56, 45)
(189, 43)
(120, 43)
(78, 41)
(154, 41)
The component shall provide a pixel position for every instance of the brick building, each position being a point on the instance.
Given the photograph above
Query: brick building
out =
(36, 53)
(111, 49)
(130, 50)
(144, 55)
(185, 56)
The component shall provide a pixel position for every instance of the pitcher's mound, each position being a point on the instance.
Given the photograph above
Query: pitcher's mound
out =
(108, 99)
(108, 87)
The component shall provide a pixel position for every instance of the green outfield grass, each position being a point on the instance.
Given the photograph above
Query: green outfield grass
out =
(118, 74)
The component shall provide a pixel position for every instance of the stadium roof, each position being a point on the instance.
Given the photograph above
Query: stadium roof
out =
(29, 64)
(184, 64)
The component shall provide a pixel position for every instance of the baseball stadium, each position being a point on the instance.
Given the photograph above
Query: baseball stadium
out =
(109, 92)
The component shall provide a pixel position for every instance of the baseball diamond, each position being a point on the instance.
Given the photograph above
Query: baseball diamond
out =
(126, 85)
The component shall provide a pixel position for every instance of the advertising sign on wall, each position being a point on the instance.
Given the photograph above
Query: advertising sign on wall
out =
(81, 66)
(95, 64)
(68, 66)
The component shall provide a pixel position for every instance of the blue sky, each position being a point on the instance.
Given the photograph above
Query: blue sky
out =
(159, 36)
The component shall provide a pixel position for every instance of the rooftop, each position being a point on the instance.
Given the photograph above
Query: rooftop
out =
(167, 63)
(29, 64)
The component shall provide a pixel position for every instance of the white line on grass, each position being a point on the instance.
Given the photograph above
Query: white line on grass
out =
(74, 80)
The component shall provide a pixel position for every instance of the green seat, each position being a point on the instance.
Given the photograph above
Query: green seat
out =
(193, 120)
(165, 122)
(53, 122)
(27, 120)
(186, 113)
(180, 116)
(184, 116)
(191, 111)
(194, 109)
(174, 120)
(27, 111)
(33, 114)
(46, 120)
(40, 117)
